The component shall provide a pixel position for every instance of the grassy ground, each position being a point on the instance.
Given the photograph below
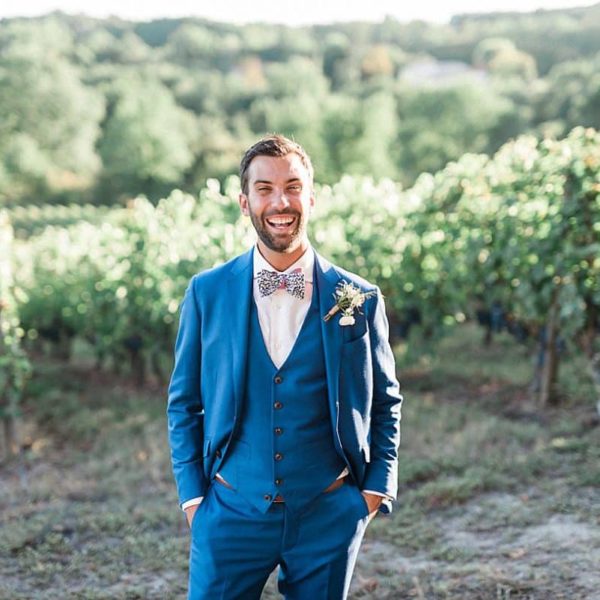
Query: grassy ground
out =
(497, 499)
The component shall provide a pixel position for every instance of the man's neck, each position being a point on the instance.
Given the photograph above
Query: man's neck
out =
(282, 260)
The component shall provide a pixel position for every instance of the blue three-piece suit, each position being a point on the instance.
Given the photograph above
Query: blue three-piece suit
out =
(275, 433)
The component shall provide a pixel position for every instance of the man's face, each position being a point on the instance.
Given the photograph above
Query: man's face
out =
(279, 201)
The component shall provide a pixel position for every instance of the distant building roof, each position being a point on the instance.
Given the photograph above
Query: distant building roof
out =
(433, 72)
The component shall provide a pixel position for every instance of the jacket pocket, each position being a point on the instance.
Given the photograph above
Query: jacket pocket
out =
(354, 334)
(357, 342)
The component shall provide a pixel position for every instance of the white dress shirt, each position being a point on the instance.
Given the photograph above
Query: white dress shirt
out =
(281, 316)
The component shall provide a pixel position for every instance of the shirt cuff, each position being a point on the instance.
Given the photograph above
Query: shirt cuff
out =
(192, 502)
(343, 474)
(378, 494)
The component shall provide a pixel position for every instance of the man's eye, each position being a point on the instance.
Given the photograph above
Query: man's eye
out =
(294, 188)
(264, 189)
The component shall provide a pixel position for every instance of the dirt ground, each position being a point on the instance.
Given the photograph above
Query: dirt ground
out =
(493, 547)
(498, 499)
(540, 544)
(484, 557)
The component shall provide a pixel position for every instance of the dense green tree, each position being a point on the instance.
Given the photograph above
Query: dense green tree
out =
(46, 39)
(192, 45)
(374, 148)
(195, 45)
(573, 93)
(502, 58)
(377, 62)
(340, 130)
(297, 76)
(216, 150)
(298, 117)
(132, 49)
(438, 124)
(324, 84)
(337, 60)
(49, 125)
(102, 44)
(147, 139)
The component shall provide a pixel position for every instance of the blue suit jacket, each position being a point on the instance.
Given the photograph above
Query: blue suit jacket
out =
(207, 383)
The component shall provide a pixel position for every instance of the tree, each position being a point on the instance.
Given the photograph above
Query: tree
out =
(340, 130)
(295, 77)
(298, 117)
(440, 124)
(49, 125)
(502, 58)
(146, 145)
(375, 147)
(377, 62)
(573, 94)
(337, 60)
(192, 44)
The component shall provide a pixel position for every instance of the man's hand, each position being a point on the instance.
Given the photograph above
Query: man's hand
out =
(189, 513)
(373, 502)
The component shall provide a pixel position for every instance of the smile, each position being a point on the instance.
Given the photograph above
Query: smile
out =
(281, 221)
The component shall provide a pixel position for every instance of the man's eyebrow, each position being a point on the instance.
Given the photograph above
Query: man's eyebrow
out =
(292, 179)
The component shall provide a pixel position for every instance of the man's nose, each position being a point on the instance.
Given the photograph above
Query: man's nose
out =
(281, 200)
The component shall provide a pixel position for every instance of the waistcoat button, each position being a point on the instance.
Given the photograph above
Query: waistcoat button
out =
(278, 430)
(267, 497)
(278, 404)
(278, 379)
(278, 456)
(278, 481)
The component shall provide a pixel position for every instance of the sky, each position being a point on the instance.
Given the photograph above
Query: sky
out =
(291, 12)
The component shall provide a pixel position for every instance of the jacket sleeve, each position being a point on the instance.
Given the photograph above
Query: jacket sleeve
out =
(382, 471)
(185, 412)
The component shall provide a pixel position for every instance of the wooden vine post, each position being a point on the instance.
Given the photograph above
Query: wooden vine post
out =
(549, 373)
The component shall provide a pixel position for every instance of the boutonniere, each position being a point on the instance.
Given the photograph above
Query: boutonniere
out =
(348, 298)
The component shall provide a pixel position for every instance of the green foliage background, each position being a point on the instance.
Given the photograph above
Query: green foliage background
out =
(98, 111)
(521, 228)
(445, 168)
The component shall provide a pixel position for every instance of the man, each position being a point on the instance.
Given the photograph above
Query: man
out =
(284, 423)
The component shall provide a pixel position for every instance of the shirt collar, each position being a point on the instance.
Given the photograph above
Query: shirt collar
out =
(306, 262)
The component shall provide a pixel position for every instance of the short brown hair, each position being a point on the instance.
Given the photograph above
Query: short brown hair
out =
(272, 145)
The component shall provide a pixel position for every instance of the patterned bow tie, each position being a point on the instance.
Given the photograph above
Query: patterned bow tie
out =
(269, 281)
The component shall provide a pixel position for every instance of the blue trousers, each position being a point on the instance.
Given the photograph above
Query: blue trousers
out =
(234, 547)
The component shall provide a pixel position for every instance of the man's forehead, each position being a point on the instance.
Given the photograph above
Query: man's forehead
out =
(286, 167)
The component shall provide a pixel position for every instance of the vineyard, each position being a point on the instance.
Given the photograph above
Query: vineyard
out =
(90, 297)
(520, 231)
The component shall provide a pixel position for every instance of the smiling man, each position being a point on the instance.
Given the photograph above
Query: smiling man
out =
(284, 425)
(282, 197)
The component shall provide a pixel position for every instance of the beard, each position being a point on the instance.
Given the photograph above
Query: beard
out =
(279, 242)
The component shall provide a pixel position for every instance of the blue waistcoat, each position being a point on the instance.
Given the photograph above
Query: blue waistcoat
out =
(284, 445)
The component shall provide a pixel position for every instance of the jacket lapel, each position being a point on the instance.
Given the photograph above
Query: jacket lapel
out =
(237, 320)
(327, 280)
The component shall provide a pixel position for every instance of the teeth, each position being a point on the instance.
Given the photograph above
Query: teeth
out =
(280, 220)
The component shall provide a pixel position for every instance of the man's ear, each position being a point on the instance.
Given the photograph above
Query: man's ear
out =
(243, 201)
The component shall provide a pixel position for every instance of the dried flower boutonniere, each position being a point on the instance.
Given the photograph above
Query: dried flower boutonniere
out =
(347, 299)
